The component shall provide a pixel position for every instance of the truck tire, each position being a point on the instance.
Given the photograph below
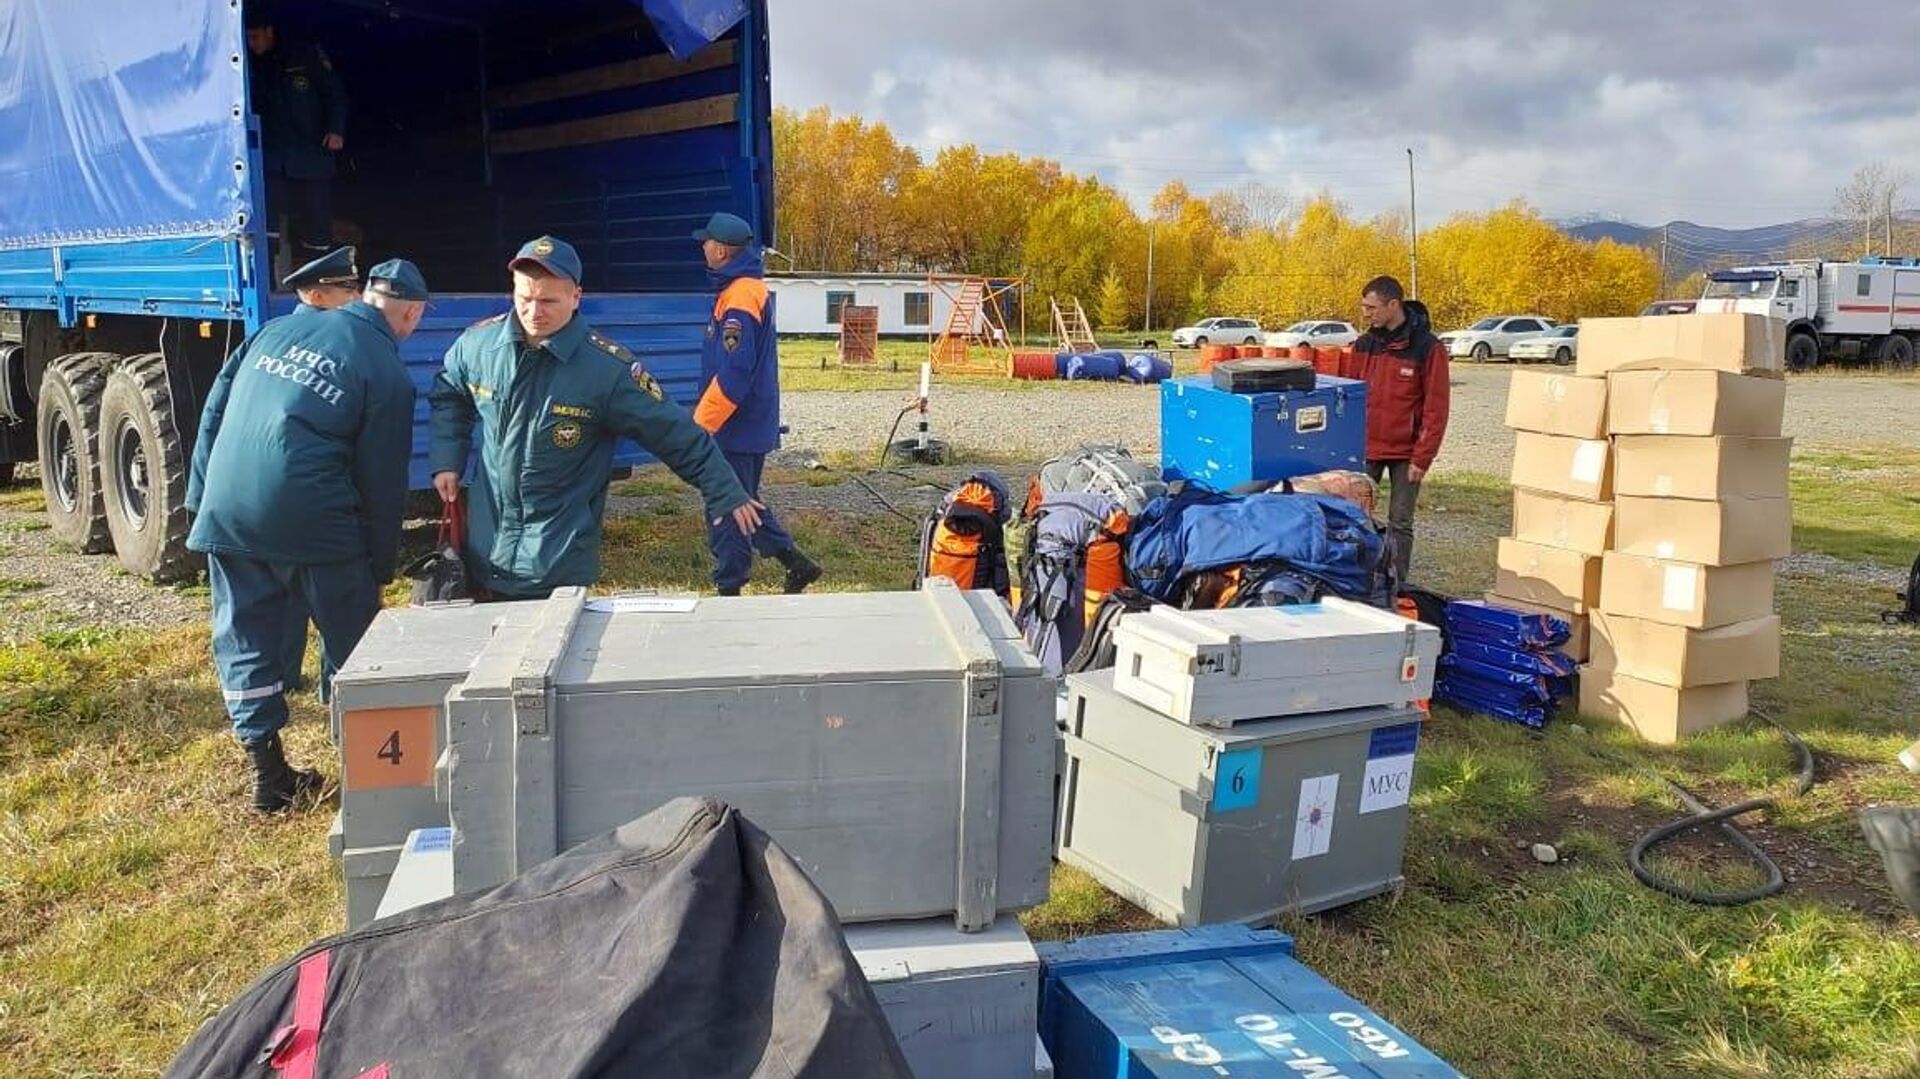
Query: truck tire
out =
(1803, 352)
(1896, 352)
(143, 472)
(68, 419)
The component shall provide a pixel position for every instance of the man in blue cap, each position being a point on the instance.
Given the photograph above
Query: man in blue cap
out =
(552, 396)
(740, 401)
(330, 281)
(298, 484)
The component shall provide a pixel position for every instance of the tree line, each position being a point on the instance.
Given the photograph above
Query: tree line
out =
(850, 197)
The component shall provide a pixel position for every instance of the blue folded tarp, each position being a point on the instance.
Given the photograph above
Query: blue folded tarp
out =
(1504, 626)
(1546, 663)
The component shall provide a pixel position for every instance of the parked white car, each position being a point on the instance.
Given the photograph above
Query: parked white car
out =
(1315, 334)
(1218, 331)
(1494, 336)
(1560, 344)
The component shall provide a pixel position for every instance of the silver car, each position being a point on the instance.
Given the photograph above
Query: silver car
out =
(1218, 331)
(1560, 344)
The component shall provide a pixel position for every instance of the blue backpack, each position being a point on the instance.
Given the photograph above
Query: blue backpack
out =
(1298, 547)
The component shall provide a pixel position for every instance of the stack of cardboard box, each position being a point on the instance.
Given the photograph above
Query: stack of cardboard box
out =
(1685, 618)
(1562, 500)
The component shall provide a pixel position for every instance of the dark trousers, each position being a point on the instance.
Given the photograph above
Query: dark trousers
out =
(308, 205)
(1400, 502)
(733, 552)
(250, 619)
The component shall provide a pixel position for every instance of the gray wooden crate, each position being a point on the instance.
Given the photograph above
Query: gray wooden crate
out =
(961, 1005)
(1199, 825)
(898, 745)
(389, 726)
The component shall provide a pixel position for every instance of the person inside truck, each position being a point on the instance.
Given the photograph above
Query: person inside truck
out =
(551, 396)
(298, 485)
(740, 403)
(302, 105)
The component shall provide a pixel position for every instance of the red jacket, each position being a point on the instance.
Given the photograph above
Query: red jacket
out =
(1408, 393)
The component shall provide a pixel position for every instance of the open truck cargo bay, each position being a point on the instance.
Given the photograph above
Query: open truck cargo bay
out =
(134, 222)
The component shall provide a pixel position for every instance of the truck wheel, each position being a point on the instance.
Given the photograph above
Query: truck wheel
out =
(1803, 352)
(68, 418)
(1896, 352)
(143, 472)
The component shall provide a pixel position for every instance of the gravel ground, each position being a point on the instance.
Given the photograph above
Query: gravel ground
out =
(45, 589)
(1829, 411)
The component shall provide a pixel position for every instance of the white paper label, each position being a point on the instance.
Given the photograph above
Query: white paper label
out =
(1663, 549)
(1663, 486)
(1556, 389)
(1660, 420)
(1678, 587)
(1387, 784)
(643, 604)
(1589, 462)
(1313, 821)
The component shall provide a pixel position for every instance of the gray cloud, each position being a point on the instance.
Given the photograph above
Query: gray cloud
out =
(1731, 114)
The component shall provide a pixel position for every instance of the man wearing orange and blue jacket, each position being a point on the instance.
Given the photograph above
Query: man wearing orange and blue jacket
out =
(740, 400)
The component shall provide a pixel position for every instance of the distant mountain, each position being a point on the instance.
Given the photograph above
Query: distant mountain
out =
(1691, 247)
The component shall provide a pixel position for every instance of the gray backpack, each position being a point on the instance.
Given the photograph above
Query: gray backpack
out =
(1102, 470)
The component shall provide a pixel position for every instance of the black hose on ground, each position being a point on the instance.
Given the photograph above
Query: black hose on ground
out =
(1704, 815)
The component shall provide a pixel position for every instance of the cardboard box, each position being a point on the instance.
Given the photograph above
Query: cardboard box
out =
(1740, 343)
(1557, 404)
(1578, 645)
(1550, 576)
(1684, 658)
(1695, 403)
(1658, 713)
(1572, 523)
(1575, 467)
(1723, 533)
(1683, 594)
(1709, 467)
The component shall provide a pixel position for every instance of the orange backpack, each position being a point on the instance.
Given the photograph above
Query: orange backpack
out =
(963, 539)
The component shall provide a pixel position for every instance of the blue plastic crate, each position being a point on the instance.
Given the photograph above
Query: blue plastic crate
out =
(1222, 1001)
(1221, 440)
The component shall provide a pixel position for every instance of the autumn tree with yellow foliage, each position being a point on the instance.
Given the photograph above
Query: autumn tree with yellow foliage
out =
(851, 197)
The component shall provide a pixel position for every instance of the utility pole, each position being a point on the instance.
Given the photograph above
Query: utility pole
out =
(1663, 259)
(1150, 230)
(1888, 249)
(1413, 232)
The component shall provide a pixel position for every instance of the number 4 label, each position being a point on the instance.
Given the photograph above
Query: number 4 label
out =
(383, 748)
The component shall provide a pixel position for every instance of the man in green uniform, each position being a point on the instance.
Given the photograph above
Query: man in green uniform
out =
(298, 483)
(551, 396)
(302, 106)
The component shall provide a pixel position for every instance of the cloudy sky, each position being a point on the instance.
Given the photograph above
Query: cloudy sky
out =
(1728, 114)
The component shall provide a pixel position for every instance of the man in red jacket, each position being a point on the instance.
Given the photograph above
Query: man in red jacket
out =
(1405, 368)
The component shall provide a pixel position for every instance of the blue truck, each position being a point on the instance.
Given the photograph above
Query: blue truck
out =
(136, 249)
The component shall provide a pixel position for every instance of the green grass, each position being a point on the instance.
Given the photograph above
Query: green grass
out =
(15, 585)
(1863, 506)
(137, 895)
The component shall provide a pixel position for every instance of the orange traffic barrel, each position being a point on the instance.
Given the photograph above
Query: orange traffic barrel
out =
(1034, 365)
(1212, 354)
(1272, 353)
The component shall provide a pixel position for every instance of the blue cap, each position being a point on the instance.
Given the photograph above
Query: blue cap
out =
(552, 254)
(727, 229)
(399, 279)
(333, 268)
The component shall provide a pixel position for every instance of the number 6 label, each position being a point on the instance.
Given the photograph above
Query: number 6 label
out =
(1236, 783)
(388, 747)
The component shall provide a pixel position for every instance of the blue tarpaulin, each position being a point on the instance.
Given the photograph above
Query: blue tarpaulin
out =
(120, 119)
(687, 26)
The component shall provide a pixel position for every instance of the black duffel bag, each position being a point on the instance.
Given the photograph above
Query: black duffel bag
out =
(440, 575)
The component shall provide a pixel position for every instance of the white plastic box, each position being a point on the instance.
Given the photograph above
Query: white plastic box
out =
(1217, 668)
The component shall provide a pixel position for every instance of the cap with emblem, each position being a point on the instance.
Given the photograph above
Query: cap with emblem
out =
(554, 255)
(399, 279)
(727, 229)
(333, 268)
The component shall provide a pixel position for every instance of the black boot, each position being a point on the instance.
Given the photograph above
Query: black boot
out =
(729, 591)
(801, 570)
(277, 785)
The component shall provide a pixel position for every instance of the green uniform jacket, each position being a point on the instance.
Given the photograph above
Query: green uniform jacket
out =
(549, 417)
(303, 447)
